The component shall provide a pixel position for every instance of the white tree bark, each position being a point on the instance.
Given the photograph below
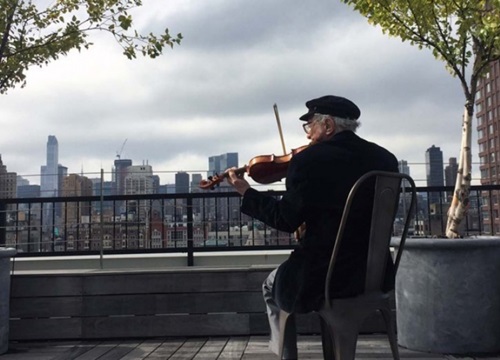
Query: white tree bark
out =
(460, 201)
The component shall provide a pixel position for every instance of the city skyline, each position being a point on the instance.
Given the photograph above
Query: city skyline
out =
(36, 179)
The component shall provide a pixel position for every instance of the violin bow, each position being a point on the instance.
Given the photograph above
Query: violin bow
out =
(302, 228)
(279, 127)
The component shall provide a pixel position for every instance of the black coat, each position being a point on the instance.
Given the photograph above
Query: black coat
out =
(318, 182)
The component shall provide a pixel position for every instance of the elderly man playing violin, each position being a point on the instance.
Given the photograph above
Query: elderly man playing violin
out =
(318, 181)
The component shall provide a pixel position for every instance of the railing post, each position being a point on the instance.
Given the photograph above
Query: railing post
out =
(3, 223)
(190, 232)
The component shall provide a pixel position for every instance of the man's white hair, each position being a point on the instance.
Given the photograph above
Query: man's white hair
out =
(341, 124)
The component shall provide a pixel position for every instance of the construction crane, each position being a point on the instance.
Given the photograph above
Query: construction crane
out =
(119, 153)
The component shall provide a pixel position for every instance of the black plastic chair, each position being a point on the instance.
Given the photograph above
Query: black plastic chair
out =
(341, 319)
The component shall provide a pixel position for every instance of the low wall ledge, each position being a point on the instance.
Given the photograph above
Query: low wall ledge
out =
(444, 243)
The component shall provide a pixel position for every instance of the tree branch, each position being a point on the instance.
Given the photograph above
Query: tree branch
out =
(5, 37)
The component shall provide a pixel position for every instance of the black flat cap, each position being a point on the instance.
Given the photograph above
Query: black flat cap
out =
(332, 105)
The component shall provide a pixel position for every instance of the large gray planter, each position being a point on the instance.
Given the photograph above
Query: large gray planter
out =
(5, 255)
(448, 295)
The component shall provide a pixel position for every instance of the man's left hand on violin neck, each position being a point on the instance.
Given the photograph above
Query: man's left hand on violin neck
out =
(237, 181)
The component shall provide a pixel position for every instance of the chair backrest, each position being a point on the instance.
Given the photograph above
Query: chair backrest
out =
(387, 189)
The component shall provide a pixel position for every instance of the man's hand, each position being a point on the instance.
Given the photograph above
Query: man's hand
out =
(237, 181)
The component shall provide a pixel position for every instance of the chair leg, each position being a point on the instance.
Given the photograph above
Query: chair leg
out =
(287, 333)
(391, 332)
(327, 341)
(343, 333)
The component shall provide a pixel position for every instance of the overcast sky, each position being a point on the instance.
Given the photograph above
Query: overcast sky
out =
(215, 92)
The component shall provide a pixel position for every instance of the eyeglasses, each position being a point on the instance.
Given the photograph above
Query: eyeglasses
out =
(308, 126)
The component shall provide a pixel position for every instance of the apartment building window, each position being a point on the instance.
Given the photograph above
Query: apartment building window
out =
(478, 94)
(491, 129)
(484, 173)
(488, 87)
(483, 160)
(492, 143)
(488, 101)
(479, 120)
(479, 107)
(492, 158)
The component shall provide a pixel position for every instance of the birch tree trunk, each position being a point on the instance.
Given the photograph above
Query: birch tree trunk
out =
(460, 201)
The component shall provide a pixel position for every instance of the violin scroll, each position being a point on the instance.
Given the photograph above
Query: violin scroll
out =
(215, 180)
(211, 182)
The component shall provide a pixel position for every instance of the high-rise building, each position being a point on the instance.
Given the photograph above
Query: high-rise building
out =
(139, 180)
(49, 172)
(195, 182)
(62, 172)
(22, 181)
(28, 191)
(229, 211)
(219, 163)
(8, 182)
(488, 127)
(403, 167)
(435, 172)
(450, 172)
(119, 174)
(488, 122)
(76, 185)
(181, 182)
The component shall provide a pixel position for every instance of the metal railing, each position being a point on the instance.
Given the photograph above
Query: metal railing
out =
(189, 223)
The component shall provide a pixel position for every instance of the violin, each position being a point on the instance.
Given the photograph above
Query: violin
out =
(264, 169)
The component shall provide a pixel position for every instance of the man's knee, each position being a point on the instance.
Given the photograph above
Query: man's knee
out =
(267, 285)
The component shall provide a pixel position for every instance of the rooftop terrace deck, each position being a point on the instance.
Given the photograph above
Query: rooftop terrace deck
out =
(239, 347)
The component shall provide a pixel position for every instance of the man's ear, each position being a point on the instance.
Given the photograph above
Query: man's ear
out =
(330, 126)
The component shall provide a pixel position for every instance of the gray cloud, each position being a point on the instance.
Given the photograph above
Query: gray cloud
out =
(214, 93)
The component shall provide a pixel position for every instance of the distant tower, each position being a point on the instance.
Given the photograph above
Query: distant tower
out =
(119, 174)
(434, 168)
(228, 211)
(49, 172)
(195, 182)
(139, 180)
(450, 172)
(403, 167)
(181, 182)
(76, 185)
(488, 127)
(8, 182)
(181, 187)
(217, 164)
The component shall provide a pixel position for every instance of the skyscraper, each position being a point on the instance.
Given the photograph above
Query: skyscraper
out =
(228, 210)
(49, 182)
(181, 182)
(488, 122)
(450, 172)
(219, 163)
(434, 169)
(403, 167)
(76, 185)
(488, 127)
(119, 174)
(8, 182)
